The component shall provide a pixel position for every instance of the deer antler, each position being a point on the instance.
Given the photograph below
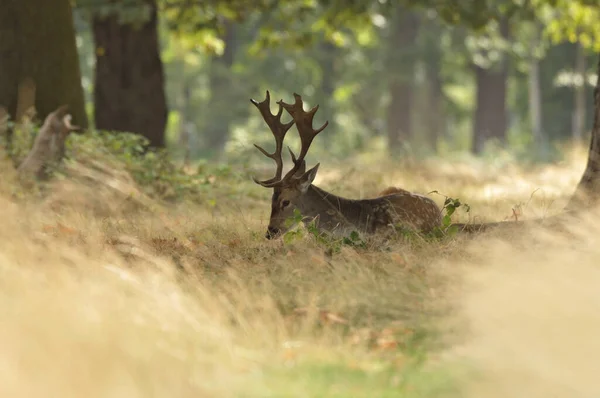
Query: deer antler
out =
(279, 131)
(304, 121)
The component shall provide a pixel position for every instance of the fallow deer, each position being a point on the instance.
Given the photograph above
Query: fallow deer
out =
(331, 213)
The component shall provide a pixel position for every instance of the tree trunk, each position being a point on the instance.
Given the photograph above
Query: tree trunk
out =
(185, 129)
(37, 45)
(401, 63)
(434, 118)
(220, 116)
(129, 80)
(490, 112)
(436, 122)
(327, 54)
(588, 188)
(535, 99)
(579, 111)
(535, 104)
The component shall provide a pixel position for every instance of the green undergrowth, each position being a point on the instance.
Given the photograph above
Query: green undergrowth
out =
(348, 377)
(153, 170)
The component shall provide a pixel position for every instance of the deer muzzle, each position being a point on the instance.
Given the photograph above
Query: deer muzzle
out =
(272, 232)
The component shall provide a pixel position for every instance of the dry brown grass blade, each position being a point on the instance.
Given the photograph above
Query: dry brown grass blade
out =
(107, 316)
(119, 181)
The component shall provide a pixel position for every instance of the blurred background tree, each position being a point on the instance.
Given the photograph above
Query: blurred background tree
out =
(408, 77)
(38, 58)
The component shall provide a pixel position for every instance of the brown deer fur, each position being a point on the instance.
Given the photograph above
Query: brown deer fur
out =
(394, 208)
(392, 190)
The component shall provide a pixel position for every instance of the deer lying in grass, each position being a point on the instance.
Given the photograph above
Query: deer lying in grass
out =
(331, 213)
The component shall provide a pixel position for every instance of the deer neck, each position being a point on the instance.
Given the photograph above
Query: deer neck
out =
(333, 212)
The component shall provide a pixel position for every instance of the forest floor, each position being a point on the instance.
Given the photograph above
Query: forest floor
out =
(190, 300)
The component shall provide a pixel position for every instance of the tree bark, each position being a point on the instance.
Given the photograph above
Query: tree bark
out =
(220, 120)
(490, 112)
(535, 98)
(129, 90)
(401, 63)
(579, 111)
(37, 45)
(185, 126)
(327, 55)
(588, 189)
(535, 104)
(434, 118)
(436, 122)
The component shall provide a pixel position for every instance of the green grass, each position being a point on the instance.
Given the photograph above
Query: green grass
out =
(377, 377)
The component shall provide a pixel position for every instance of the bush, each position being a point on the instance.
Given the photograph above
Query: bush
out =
(153, 170)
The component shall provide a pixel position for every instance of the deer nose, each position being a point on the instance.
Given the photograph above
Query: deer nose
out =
(272, 232)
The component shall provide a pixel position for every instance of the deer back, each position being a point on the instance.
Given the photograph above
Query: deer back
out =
(412, 210)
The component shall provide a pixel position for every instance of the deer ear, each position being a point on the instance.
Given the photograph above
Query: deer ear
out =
(307, 178)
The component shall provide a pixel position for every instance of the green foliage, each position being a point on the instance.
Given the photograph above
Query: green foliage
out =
(328, 242)
(354, 240)
(573, 21)
(450, 206)
(23, 135)
(153, 170)
(293, 234)
(133, 12)
(337, 54)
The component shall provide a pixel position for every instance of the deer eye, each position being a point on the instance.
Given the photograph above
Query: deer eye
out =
(285, 204)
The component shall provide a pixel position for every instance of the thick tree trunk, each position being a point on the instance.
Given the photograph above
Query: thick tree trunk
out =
(436, 121)
(220, 118)
(185, 129)
(399, 117)
(535, 104)
(327, 55)
(401, 63)
(579, 111)
(490, 112)
(129, 90)
(434, 117)
(588, 189)
(37, 47)
(535, 99)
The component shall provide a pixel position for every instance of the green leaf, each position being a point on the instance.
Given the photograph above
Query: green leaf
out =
(446, 221)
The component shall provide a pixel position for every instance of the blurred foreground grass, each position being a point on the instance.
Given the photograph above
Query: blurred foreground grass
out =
(102, 297)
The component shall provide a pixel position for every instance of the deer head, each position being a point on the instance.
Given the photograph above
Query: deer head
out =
(288, 190)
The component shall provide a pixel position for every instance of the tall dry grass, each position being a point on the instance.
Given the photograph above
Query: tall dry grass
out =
(188, 300)
(531, 306)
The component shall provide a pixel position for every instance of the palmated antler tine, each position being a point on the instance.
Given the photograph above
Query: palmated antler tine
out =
(279, 131)
(304, 121)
